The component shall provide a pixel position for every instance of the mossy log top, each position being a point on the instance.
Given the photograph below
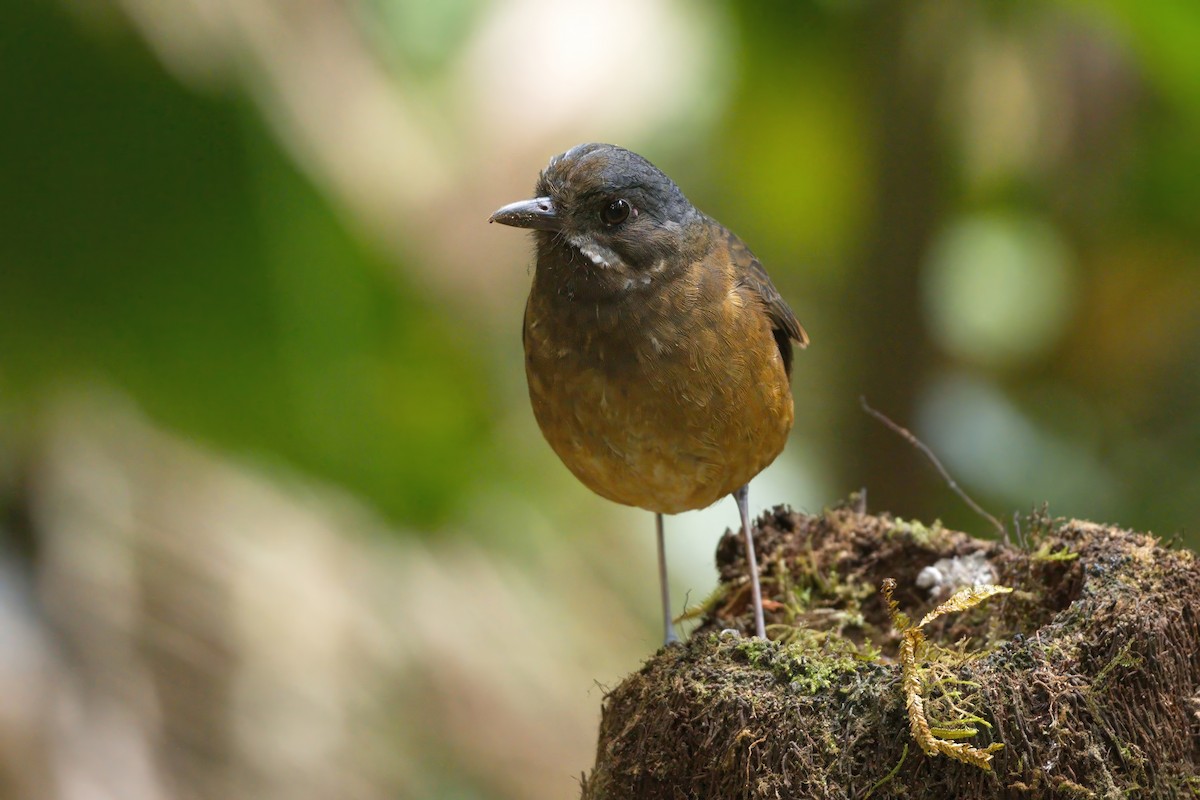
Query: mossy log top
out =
(1088, 673)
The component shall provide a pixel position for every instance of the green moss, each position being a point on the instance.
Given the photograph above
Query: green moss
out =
(817, 608)
(806, 666)
(1046, 554)
(1122, 660)
(1072, 789)
(888, 778)
(918, 532)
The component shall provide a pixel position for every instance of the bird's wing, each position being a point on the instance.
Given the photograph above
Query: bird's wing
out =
(752, 275)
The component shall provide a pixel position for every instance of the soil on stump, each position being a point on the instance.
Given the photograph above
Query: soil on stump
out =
(1088, 672)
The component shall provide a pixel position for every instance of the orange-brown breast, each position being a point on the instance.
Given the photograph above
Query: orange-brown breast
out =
(667, 397)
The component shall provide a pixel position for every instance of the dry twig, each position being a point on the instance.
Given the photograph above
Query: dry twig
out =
(937, 464)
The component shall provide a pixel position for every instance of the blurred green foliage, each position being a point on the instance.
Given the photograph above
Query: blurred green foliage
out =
(910, 174)
(157, 238)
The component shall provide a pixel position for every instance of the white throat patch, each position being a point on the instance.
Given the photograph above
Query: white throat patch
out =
(597, 253)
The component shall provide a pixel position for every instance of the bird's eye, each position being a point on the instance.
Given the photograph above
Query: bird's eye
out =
(615, 212)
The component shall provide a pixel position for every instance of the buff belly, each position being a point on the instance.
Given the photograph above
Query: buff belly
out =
(641, 423)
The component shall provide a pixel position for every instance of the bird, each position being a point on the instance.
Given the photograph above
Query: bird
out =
(658, 354)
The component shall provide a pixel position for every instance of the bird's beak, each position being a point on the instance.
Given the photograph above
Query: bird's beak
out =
(538, 213)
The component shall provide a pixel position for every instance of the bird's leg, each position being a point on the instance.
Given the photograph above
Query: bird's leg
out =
(742, 496)
(669, 636)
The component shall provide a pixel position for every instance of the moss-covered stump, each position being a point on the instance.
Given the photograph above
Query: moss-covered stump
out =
(1087, 673)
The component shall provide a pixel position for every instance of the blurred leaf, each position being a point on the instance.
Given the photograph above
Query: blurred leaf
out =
(1165, 37)
(158, 239)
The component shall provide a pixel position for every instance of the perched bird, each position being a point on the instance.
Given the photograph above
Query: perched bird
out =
(657, 352)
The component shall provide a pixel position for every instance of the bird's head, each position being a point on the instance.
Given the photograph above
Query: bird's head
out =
(608, 211)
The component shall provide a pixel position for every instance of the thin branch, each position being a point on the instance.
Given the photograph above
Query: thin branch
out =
(933, 459)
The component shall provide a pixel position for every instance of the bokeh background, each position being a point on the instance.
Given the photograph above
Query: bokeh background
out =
(276, 519)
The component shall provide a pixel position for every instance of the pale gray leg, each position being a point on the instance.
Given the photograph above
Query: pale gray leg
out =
(742, 496)
(669, 636)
